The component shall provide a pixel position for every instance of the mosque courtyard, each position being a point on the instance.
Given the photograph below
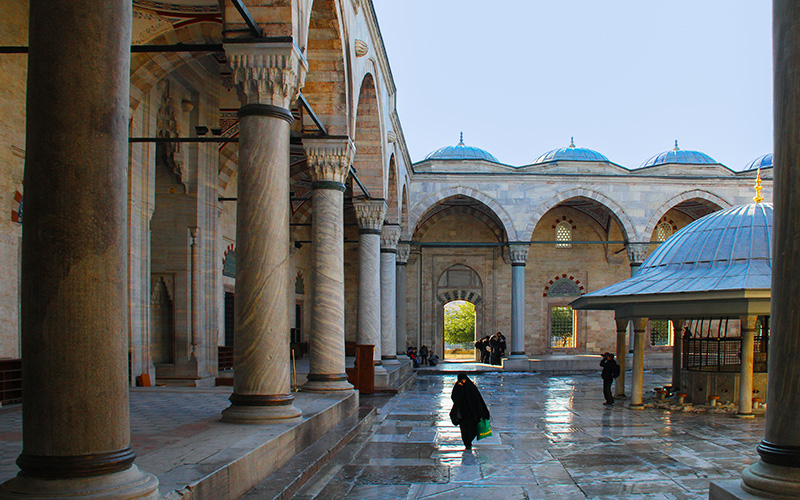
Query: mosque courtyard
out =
(553, 438)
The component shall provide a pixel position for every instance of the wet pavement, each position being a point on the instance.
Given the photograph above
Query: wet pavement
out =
(552, 438)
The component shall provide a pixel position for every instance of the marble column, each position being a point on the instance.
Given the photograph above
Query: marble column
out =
(748, 331)
(519, 254)
(329, 161)
(637, 381)
(390, 235)
(677, 352)
(267, 77)
(403, 251)
(74, 294)
(194, 250)
(370, 214)
(622, 354)
(637, 252)
(777, 473)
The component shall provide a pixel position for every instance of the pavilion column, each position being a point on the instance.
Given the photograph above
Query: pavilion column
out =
(519, 255)
(748, 330)
(677, 352)
(370, 214)
(74, 294)
(329, 163)
(622, 353)
(403, 251)
(390, 235)
(267, 76)
(637, 382)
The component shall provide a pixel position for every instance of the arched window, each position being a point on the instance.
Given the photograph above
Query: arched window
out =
(564, 288)
(663, 231)
(563, 233)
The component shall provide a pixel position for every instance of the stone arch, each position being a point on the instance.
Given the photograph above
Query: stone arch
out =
(392, 200)
(452, 295)
(16, 206)
(679, 198)
(559, 282)
(148, 68)
(228, 165)
(326, 85)
(616, 210)
(405, 229)
(368, 140)
(424, 206)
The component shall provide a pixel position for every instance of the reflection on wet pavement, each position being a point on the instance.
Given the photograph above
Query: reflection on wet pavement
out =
(552, 438)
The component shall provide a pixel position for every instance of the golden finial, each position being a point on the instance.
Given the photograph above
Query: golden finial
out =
(758, 198)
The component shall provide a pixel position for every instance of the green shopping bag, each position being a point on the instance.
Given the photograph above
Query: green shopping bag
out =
(484, 428)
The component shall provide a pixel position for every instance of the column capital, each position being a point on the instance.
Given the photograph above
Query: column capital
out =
(390, 235)
(518, 253)
(370, 214)
(636, 252)
(403, 251)
(267, 73)
(329, 159)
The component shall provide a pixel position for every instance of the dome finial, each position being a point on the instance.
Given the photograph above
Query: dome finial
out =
(676, 146)
(758, 198)
(572, 142)
(461, 139)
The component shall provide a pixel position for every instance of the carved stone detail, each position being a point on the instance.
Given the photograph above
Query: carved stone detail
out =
(361, 48)
(169, 153)
(403, 252)
(518, 252)
(329, 160)
(390, 235)
(637, 252)
(370, 214)
(267, 73)
(391, 136)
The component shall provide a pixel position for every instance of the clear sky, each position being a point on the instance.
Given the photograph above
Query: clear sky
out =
(624, 77)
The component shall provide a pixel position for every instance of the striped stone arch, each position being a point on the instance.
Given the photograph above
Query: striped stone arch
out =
(675, 200)
(627, 225)
(228, 163)
(562, 283)
(229, 261)
(147, 69)
(423, 206)
(16, 206)
(481, 216)
(303, 214)
(451, 295)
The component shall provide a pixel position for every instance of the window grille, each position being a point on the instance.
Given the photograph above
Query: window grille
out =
(564, 233)
(663, 231)
(660, 333)
(562, 327)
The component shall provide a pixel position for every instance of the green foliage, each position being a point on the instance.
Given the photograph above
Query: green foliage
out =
(459, 322)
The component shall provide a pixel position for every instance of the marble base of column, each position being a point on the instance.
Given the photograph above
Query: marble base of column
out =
(379, 368)
(326, 383)
(129, 484)
(390, 360)
(760, 480)
(255, 409)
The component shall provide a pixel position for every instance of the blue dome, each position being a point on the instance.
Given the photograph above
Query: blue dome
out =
(764, 161)
(571, 153)
(461, 152)
(682, 156)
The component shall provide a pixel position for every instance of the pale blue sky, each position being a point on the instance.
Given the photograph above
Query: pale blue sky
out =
(624, 77)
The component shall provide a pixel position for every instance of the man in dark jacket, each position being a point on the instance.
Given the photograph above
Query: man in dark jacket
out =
(482, 346)
(468, 408)
(610, 371)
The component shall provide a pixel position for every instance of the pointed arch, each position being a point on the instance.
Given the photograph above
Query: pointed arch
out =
(368, 159)
(616, 210)
(392, 199)
(693, 194)
(425, 205)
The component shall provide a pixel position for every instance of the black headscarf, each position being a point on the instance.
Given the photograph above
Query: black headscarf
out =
(468, 404)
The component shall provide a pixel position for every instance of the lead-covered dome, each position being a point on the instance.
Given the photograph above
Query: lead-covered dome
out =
(680, 156)
(764, 161)
(571, 153)
(461, 152)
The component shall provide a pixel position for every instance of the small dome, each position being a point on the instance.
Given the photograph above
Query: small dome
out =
(764, 161)
(724, 250)
(678, 155)
(461, 152)
(571, 153)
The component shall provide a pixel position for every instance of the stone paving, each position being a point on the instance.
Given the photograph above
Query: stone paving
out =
(553, 438)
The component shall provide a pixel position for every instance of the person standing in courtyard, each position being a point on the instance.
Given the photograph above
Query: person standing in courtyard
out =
(468, 408)
(610, 372)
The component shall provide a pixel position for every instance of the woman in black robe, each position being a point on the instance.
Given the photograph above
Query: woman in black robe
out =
(468, 409)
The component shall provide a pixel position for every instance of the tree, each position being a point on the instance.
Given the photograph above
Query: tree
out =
(459, 322)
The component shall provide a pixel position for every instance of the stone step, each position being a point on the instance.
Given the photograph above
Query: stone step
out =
(286, 481)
